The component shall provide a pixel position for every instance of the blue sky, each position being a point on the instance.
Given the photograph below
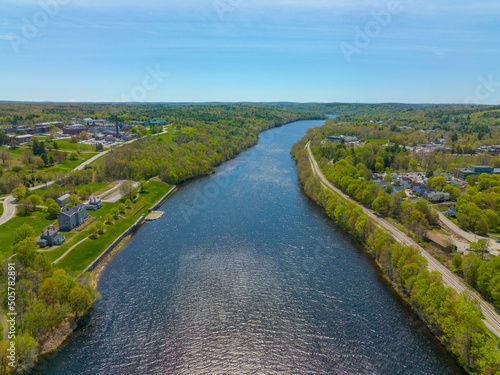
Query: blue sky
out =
(250, 50)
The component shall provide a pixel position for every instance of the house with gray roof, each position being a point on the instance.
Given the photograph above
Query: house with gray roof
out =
(62, 200)
(71, 217)
(50, 237)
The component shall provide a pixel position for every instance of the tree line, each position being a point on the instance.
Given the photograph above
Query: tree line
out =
(455, 318)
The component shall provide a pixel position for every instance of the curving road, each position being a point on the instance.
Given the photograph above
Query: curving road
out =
(492, 320)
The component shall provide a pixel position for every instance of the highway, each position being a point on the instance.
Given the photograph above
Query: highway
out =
(492, 320)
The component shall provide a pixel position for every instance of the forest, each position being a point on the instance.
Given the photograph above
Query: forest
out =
(204, 140)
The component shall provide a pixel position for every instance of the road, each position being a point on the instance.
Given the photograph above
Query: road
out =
(492, 320)
(115, 194)
(470, 237)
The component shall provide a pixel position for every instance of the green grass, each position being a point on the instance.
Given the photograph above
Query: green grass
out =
(66, 145)
(81, 256)
(36, 219)
(1, 208)
(381, 141)
(94, 186)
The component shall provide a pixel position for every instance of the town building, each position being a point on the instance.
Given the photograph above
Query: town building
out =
(94, 204)
(155, 122)
(50, 237)
(438, 196)
(62, 200)
(71, 217)
(451, 211)
(74, 129)
(25, 138)
(476, 170)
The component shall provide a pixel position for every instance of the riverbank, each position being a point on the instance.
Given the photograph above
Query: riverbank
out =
(442, 310)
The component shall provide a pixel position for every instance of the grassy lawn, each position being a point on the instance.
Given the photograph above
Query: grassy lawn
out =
(381, 141)
(66, 145)
(95, 187)
(37, 220)
(64, 167)
(1, 208)
(81, 256)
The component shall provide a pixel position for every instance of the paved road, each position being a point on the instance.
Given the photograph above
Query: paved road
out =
(470, 237)
(492, 320)
(115, 194)
(9, 210)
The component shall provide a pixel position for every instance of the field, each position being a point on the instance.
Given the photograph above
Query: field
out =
(380, 141)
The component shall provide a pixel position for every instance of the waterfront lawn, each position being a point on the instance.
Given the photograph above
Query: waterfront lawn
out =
(36, 219)
(81, 256)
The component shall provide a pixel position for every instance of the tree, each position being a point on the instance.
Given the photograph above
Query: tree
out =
(437, 183)
(128, 203)
(25, 251)
(457, 262)
(24, 207)
(127, 189)
(83, 135)
(53, 210)
(73, 155)
(27, 350)
(121, 208)
(108, 219)
(23, 232)
(80, 300)
(94, 231)
(35, 201)
(480, 247)
(380, 206)
(73, 199)
(99, 147)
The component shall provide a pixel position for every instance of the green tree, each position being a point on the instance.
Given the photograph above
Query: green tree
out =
(380, 206)
(80, 300)
(436, 183)
(26, 251)
(23, 232)
(27, 351)
(73, 155)
(35, 201)
(53, 210)
(457, 262)
(73, 199)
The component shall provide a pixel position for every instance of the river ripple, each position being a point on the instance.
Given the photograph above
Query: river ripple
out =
(245, 275)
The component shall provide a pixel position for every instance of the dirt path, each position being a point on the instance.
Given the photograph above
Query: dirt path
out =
(492, 320)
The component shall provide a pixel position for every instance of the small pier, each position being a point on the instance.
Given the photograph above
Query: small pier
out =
(154, 215)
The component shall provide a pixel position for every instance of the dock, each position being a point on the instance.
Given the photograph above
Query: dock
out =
(154, 215)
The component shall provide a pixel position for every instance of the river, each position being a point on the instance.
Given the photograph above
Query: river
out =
(244, 274)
